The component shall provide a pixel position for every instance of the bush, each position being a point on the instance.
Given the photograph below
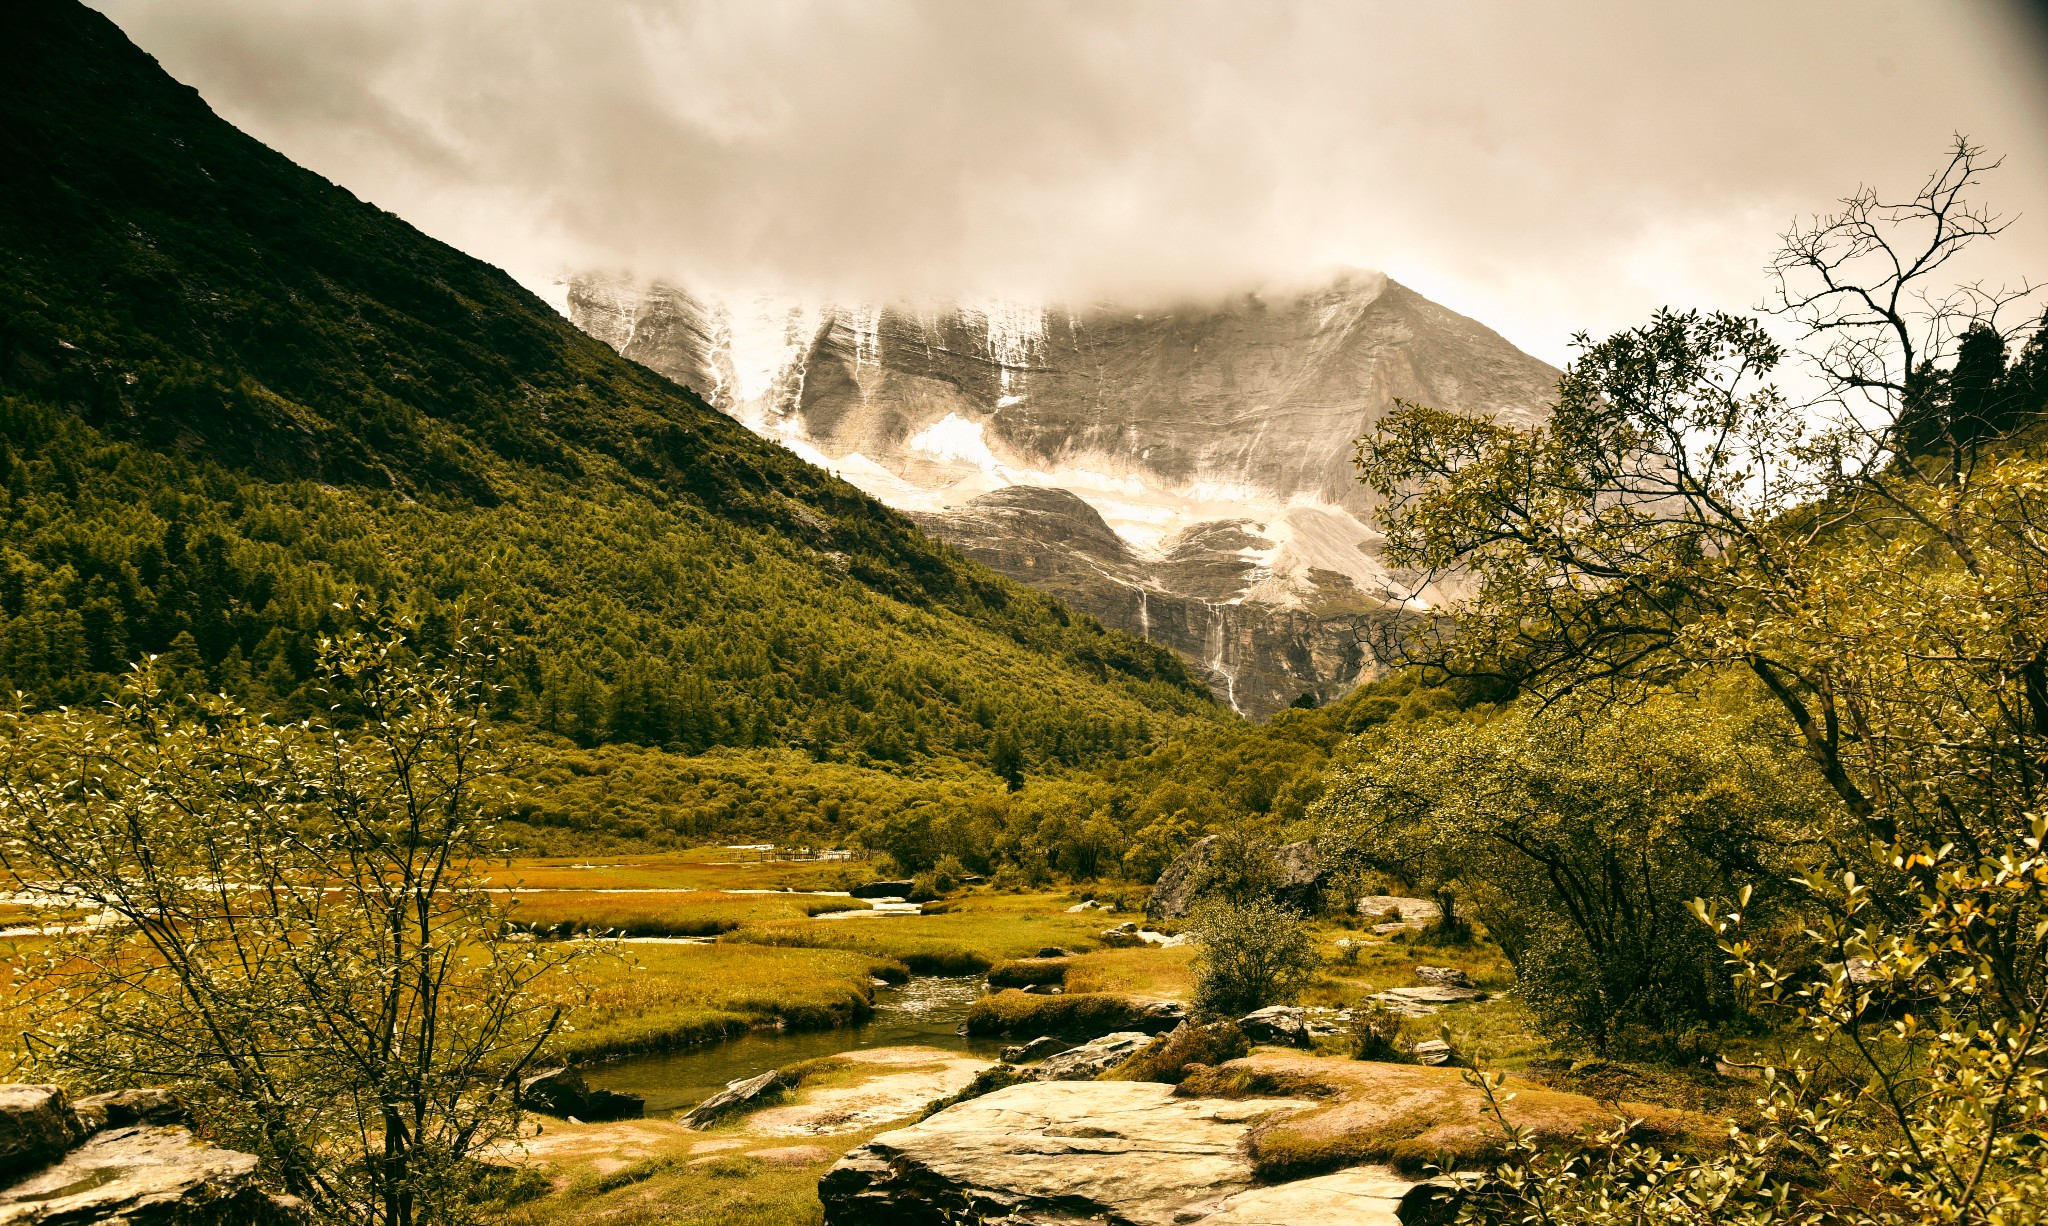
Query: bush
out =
(1027, 972)
(1251, 954)
(1376, 1035)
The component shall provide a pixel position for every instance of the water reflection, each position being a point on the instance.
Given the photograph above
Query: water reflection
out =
(925, 1012)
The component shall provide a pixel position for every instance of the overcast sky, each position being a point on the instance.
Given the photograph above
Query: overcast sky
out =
(1542, 167)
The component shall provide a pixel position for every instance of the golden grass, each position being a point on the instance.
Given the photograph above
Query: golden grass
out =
(697, 913)
(1160, 974)
(1407, 1116)
(973, 933)
(701, 868)
(655, 997)
(1024, 1015)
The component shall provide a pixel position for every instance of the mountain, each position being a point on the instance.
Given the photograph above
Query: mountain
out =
(234, 399)
(1183, 472)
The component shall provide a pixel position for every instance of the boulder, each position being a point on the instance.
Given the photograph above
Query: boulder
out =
(1445, 976)
(563, 1092)
(881, 889)
(1155, 1016)
(1129, 1152)
(129, 1172)
(1301, 877)
(1091, 1059)
(1283, 1024)
(1037, 1049)
(1174, 896)
(735, 1095)
(1415, 913)
(36, 1127)
(1123, 935)
(1425, 1000)
(1433, 1052)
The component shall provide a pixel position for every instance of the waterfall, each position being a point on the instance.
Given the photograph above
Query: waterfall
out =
(1219, 655)
(1144, 617)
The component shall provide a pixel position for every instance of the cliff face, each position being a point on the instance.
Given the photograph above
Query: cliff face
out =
(1184, 473)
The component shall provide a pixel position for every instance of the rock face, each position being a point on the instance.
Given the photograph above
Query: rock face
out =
(112, 1167)
(1126, 1152)
(1181, 472)
(36, 1127)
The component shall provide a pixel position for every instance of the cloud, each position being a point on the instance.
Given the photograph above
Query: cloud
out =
(1544, 168)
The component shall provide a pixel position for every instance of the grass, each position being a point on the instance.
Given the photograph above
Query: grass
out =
(1022, 1015)
(659, 997)
(1406, 1116)
(698, 913)
(1161, 974)
(1028, 972)
(701, 868)
(972, 934)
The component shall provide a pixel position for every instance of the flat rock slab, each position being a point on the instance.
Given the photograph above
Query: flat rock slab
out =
(898, 1083)
(147, 1173)
(1362, 1196)
(1123, 1152)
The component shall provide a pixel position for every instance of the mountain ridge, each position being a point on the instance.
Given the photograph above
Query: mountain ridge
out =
(235, 397)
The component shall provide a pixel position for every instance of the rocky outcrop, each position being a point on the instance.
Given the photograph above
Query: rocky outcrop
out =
(1126, 1152)
(123, 1159)
(1090, 1059)
(1182, 471)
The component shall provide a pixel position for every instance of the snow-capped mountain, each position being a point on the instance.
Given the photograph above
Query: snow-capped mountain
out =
(1182, 472)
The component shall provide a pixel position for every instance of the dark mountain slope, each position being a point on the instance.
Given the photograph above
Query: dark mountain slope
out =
(232, 394)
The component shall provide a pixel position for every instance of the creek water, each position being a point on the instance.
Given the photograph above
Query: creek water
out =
(926, 1012)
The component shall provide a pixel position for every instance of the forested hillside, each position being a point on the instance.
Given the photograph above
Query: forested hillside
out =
(235, 399)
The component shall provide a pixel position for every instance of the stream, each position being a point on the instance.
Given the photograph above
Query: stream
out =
(926, 1012)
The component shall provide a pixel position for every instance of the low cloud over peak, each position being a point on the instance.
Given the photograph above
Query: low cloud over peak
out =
(1543, 168)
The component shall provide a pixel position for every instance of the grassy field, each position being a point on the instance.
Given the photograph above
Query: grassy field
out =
(660, 913)
(974, 932)
(652, 997)
(701, 868)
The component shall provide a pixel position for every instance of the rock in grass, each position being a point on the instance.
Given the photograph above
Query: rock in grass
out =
(735, 1095)
(36, 1127)
(1091, 1059)
(1425, 1000)
(1037, 1049)
(1433, 1052)
(1283, 1024)
(1446, 976)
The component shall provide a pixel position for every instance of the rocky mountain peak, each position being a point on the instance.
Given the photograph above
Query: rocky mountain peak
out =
(1191, 459)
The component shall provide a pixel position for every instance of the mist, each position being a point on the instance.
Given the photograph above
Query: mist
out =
(1544, 169)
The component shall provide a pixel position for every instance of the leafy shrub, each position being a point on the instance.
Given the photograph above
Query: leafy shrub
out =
(1251, 954)
(1375, 1034)
(1883, 1117)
